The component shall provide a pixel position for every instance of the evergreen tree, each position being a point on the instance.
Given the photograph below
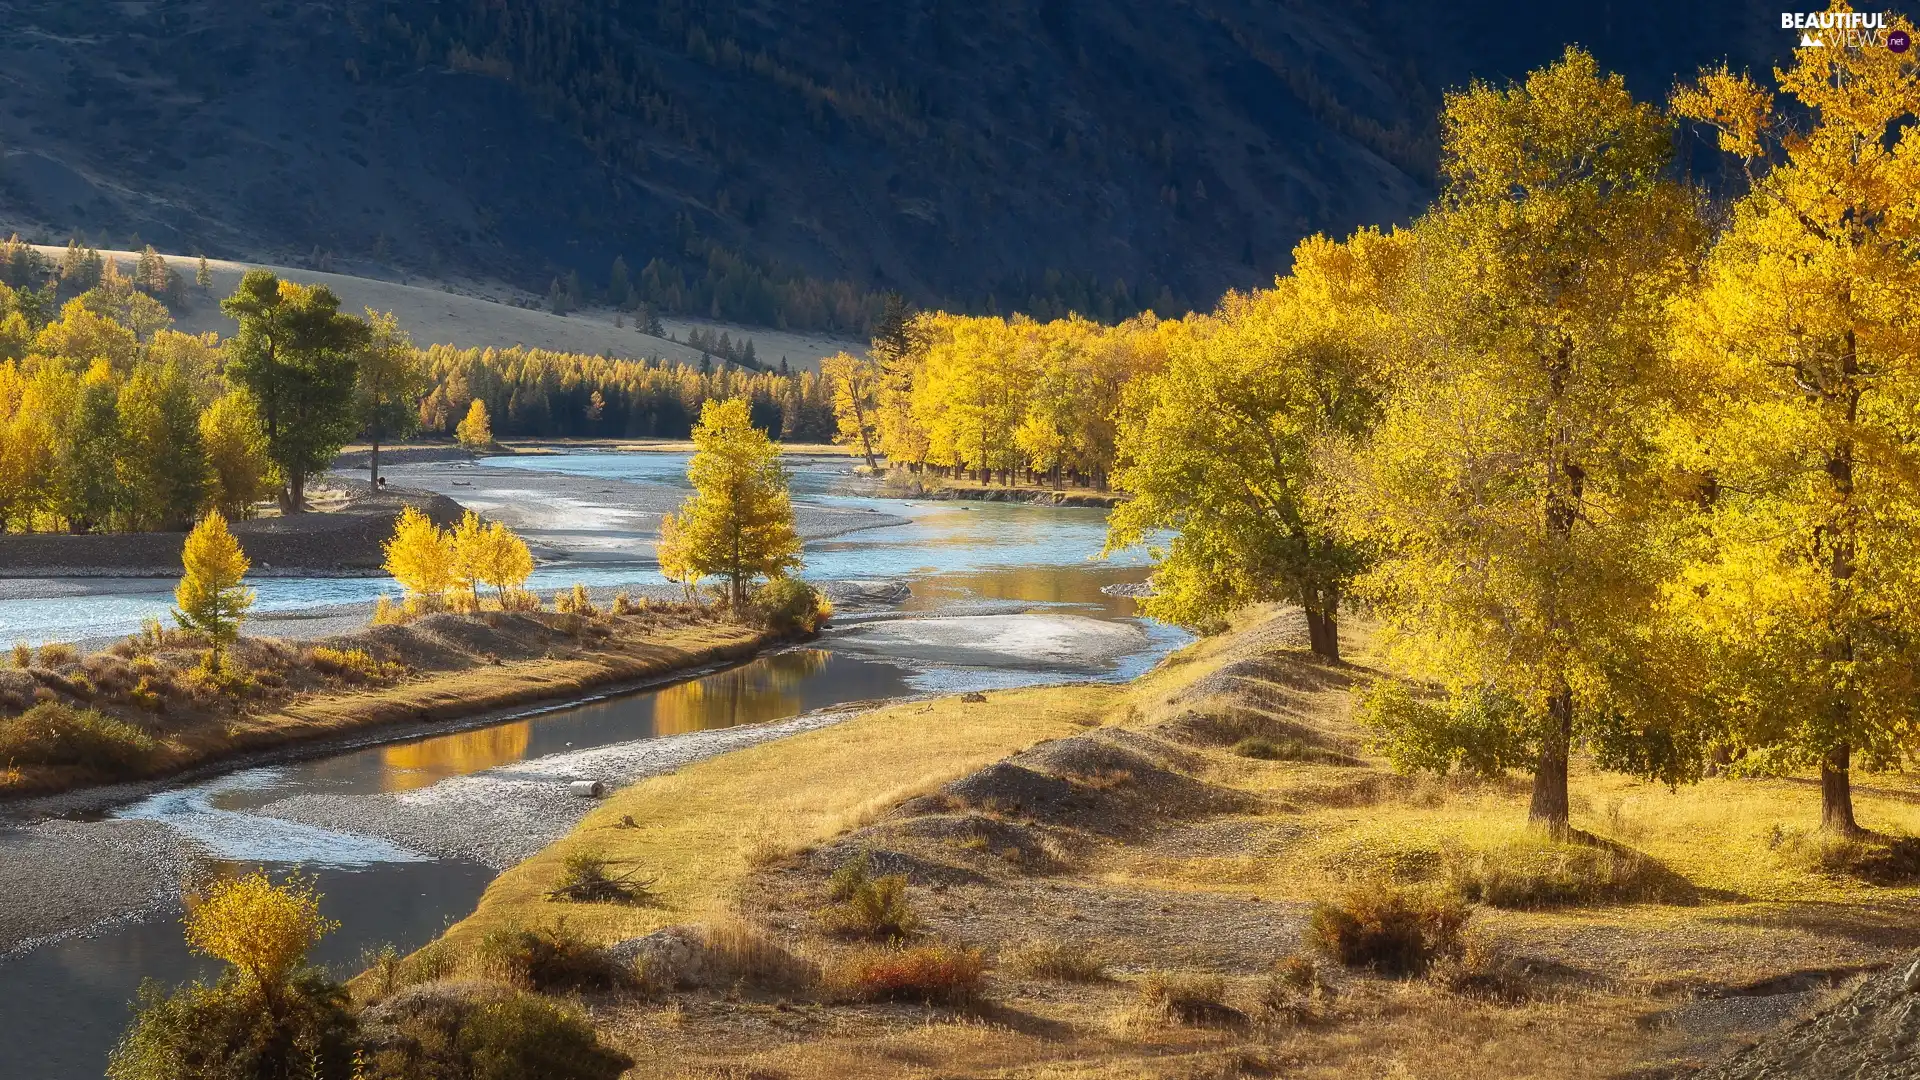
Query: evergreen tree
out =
(163, 463)
(738, 524)
(619, 284)
(210, 598)
(203, 276)
(295, 355)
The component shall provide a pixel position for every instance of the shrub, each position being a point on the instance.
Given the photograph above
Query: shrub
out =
(932, 973)
(624, 603)
(1390, 929)
(738, 952)
(575, 602)
(1060, 961)
(1874, 857)
(55, 654)
(584, 878)
(789, 605)
(1189, 998)
(54, 734)
(549, 959)
(451, 1032)
(1537, 871)
(1262, 748)
(226, 1030)
(354, 664)
(519, 600)
(1481, 732)
(388, 613)
(866, 906)
(22, 655)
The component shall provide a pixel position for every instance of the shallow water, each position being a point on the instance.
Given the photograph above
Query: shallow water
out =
(67, 1002)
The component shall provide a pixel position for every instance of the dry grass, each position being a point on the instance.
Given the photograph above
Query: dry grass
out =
(1668, 894)
(946, 974)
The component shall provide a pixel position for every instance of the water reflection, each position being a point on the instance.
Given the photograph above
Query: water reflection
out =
(767, 690)
(429, 761)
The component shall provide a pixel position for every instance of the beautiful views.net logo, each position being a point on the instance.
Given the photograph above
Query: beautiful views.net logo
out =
(1844, 30)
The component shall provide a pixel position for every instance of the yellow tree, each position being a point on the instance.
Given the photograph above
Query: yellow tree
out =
(738, 524)
(489, 553)
(671, 553)
(236, 449)
(1223, 445)
(261, 929)
(1808, 573)
(856, 385)
(210, 598)
(1509, 483)
(474, 433)
(420, 557)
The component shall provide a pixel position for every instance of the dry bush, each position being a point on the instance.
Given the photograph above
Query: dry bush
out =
(1061, 961)
(1187, 998)
(57, 654)
(739, 953)
(53, 734)
(1388, 928)
(930, 973)
(354, 664)
(548, 959)
(584, 878)
(1484, 969)
(1538, 871)
(22, 655)
(575, 601)
(1294, 991)
(388, 613)
(519, 600)
(625, 603)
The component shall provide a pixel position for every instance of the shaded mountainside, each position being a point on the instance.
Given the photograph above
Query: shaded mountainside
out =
(1035, 154)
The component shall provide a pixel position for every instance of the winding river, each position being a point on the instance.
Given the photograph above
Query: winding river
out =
(996, 595)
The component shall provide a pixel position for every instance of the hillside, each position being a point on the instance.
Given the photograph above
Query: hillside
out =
(470, 315)
(774, 164)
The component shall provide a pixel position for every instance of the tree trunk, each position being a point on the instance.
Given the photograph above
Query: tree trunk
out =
(1836, 792)
(1323, 630)
(1549, 809)
(296, 495)
(373, 456)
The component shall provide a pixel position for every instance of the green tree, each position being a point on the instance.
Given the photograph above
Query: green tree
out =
(203, 276)
(87, 491)
(295, 355)
(392, 377)
(738, 524)
(210, 598)
(1807, 570)
(1511, 481)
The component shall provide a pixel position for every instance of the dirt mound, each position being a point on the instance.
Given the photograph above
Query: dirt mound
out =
(1010, 789)
(502, 634)
(1126, 779)
(1265, 682)
(1873, 1032)
(885, 861)
(991, 841)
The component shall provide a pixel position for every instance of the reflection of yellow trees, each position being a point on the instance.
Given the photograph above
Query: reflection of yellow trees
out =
(415, 765)
(767, 689)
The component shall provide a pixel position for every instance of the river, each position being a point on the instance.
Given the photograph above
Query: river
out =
(1013, 585)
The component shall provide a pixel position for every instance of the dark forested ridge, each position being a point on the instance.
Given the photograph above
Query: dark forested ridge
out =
(776, 162)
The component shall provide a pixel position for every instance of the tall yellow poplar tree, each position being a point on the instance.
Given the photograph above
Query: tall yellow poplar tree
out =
(1803, 328)
(1509, 483)
(474, 433)
(420, 557)
(856, 401)
(738, 524)
(210, 598)
(1224, 444)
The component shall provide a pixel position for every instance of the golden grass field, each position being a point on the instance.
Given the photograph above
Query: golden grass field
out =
(1718, 904)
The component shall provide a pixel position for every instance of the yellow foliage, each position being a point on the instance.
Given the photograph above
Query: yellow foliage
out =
(210, 598)
(420, 555)
(475, 432)
(263, 930)
(738, 524)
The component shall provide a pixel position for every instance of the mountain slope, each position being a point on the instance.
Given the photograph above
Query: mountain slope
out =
(1037, 154)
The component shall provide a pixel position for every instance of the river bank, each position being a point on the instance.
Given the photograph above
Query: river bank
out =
(1098, 845)
(441, 668)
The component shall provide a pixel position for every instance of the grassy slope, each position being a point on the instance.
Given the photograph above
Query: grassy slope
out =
(473, 315)
(1602, 974)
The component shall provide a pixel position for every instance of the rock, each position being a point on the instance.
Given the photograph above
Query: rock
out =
(674, 956)
(973, 696)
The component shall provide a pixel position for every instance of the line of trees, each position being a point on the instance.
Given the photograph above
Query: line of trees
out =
(1616, 470)
(994, 398)
(111, 421)
(541, 394)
